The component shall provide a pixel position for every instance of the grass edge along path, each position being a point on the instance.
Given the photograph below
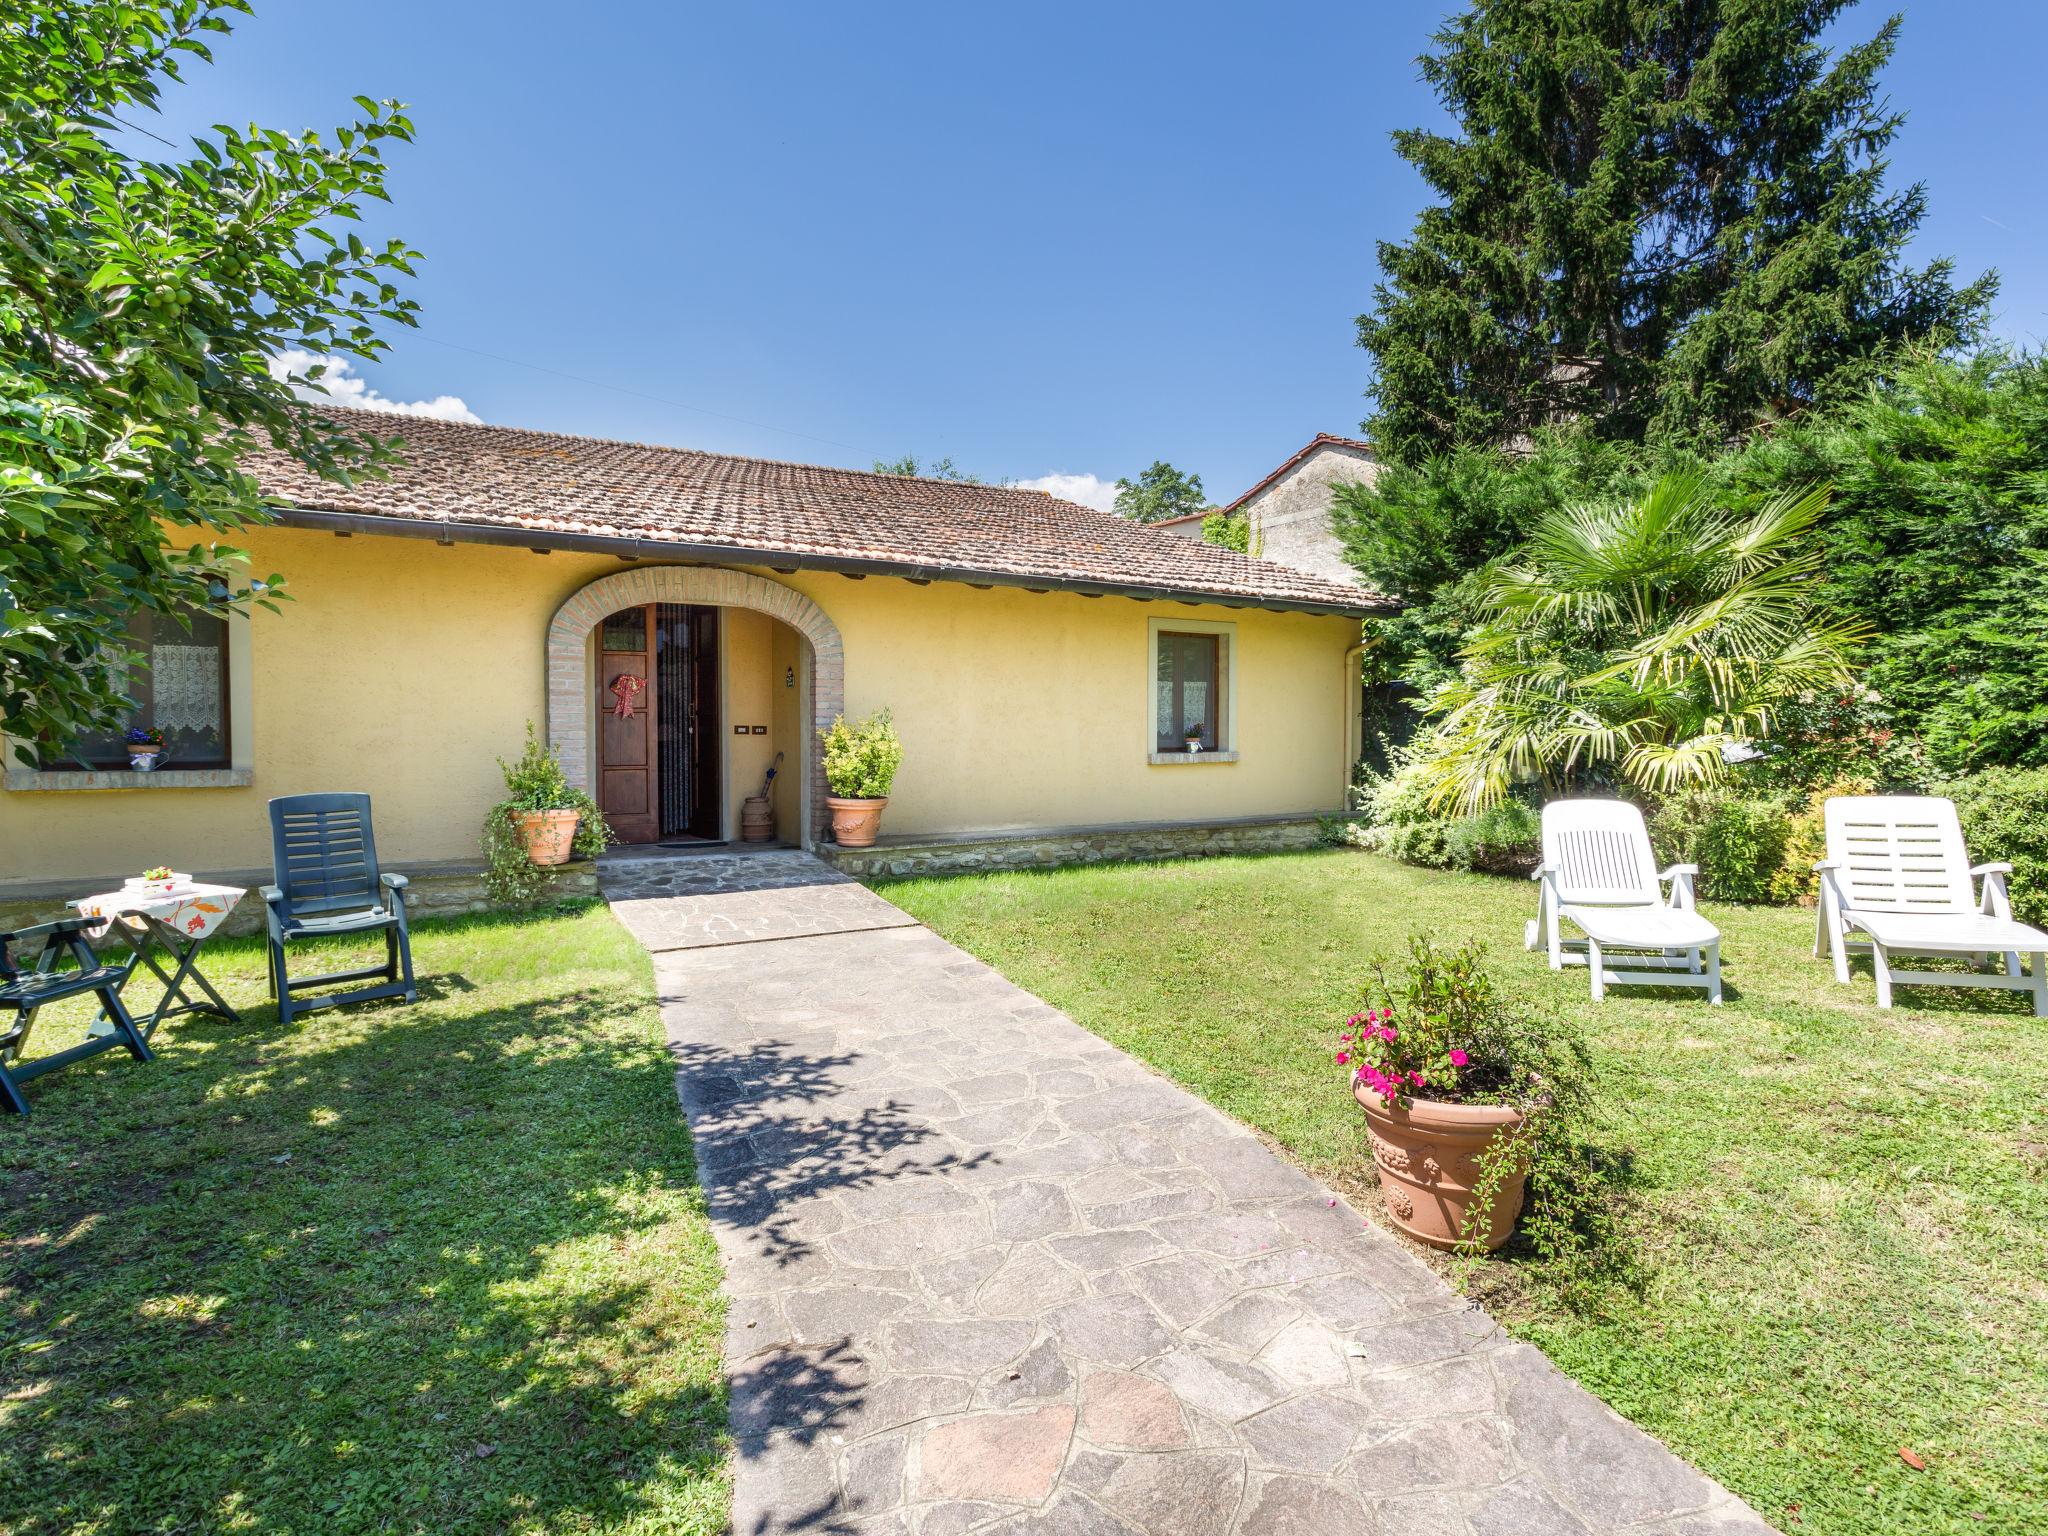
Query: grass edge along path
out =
(1844, 1212)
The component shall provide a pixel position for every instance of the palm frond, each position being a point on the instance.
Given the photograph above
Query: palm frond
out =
(1646, 635)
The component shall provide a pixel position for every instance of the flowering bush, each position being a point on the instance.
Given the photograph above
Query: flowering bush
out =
(1391, 1066)
(1845, 731)
(1442, 1031)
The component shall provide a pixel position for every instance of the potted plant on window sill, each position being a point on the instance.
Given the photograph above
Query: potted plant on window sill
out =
(1193, 737)
(542, 821)
(861, 759)
(145, 745)
(1462, 1095)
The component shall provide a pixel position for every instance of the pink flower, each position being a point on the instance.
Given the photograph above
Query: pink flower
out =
(1345, 1037)
(1416, 1078)
(1458, 1057)
(1388, 1032)
(1343, 1058)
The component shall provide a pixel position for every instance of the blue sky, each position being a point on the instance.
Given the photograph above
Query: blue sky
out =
(1047, 239)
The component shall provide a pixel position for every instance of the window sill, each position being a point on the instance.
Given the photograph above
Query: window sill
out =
(1192, 759)
(126, 778)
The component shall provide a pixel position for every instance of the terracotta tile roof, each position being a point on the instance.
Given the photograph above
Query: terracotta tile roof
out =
(1320, 440)
(507, 484)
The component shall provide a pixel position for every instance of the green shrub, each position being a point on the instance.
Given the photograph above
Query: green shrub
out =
(861, 757)
(1742, 846)
(1504, 839)
(1227, 532)
(536, 782)
(2005, 816)
(1737, 840)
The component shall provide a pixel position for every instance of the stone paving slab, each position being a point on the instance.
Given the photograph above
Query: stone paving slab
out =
(697, 900)
(988, 1274)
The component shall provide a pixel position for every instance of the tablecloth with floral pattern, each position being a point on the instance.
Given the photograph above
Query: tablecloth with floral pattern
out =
(193, 909)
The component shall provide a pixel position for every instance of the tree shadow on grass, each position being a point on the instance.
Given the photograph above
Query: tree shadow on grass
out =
(438, 1269)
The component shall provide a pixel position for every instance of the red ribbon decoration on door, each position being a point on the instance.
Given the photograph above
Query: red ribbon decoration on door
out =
(625, 688)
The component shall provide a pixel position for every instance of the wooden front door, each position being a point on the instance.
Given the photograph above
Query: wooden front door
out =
(658, 767)
(628, 785)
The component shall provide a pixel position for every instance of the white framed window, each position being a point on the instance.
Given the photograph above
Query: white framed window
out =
(1191, 692)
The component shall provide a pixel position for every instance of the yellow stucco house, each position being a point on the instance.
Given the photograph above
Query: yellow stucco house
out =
(1045, 664)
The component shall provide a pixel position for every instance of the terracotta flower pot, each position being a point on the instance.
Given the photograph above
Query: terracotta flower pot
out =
(548, 834)
(855, 822)
(1427, 1156)
(757, 819)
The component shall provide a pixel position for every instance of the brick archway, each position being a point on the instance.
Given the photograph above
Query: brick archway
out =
(569, 676)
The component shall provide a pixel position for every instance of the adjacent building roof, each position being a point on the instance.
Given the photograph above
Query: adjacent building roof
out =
(1319, 441)
(549, 490)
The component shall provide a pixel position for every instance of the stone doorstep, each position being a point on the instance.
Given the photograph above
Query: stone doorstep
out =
(436, 890)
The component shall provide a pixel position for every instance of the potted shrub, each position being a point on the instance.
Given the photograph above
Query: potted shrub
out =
(145, 746)
(861, 759)
(542, 820)
(1458, 1090)
(1194, 737)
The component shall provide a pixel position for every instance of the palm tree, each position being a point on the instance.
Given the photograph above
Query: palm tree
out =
(1646, 636)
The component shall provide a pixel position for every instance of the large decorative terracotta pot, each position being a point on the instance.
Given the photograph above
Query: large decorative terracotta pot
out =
(1427, 1156)
(855, 822)
(549, 835)
(757, 819)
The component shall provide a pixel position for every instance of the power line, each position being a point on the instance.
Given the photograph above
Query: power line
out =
(681, 405)
(138, 128)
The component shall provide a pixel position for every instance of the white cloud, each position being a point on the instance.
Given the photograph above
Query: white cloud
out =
(342, 388)
(1089, 490)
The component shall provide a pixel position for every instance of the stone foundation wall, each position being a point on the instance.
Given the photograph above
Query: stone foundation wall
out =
(441, 891)
(1077, 845)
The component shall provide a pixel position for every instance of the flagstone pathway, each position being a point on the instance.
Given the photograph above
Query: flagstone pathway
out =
(987, 1273)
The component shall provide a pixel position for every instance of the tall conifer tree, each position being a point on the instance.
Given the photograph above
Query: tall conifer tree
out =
(1666, 218)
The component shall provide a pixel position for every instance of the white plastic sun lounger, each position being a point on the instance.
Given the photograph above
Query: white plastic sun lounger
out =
(1897, 873)
(1599, 875)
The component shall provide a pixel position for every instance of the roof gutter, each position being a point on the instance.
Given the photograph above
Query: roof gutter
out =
(440, 532)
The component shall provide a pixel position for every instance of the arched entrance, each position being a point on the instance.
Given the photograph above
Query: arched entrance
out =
(571, 707)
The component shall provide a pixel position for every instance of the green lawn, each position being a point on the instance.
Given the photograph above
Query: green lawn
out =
(1844, 1213)
(435, 1269)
